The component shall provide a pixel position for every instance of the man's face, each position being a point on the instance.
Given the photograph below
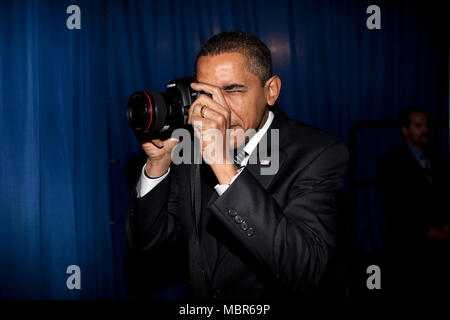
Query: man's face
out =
(241, 89)
(416, 134)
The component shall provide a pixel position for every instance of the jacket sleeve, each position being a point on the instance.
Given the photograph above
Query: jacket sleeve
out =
(151, 220)
(294, 243)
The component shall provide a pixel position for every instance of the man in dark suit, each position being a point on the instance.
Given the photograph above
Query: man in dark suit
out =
(413, 183)
(243, 233)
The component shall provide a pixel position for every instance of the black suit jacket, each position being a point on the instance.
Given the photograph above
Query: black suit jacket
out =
(267, 236)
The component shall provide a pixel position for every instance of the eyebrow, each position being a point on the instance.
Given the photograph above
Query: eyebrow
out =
(233, 86)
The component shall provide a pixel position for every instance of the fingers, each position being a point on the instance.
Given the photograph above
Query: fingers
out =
(216, 92)
(211, 110)
(204, 113)
(206, 128)
(171, 142)
(157, 143)
(217, 102)
(210, 119)
(160, 144)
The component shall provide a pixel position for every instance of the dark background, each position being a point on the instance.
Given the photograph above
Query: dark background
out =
(66, 147)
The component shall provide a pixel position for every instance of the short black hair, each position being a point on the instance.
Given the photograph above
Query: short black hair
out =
(259, 59)
(404, 117)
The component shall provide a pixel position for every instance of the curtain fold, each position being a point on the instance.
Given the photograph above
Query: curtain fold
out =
(54, 206)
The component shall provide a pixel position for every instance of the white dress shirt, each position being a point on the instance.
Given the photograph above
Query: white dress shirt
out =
(146, 184)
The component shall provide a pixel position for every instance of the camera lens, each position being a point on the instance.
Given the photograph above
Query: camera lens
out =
(140, 111)
(154, 115)
(147, 111)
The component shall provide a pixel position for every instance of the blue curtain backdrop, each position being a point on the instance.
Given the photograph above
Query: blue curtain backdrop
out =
(66, 147)
(54, 186)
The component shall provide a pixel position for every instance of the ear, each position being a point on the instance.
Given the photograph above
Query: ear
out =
(272, 89)
(404, 131)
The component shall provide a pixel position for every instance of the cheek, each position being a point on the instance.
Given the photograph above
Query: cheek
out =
(247, 109)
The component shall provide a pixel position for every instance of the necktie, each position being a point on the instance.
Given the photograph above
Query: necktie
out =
(239, 157)
(424, 162)
(426, 165)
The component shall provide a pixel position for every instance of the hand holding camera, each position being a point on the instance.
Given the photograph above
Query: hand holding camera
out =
(210, 117)
(159, 156)
(153, 116)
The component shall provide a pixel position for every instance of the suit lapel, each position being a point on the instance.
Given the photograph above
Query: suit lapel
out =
(257, 170)
(272, 143)
(421, 172)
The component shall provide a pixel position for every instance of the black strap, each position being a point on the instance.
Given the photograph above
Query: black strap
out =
(196, 270)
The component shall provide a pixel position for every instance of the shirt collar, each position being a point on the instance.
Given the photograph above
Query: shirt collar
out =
(253, 142)
(417, 153)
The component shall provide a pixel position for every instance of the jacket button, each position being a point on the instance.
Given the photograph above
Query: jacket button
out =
(250, 232)
(244, 226)
(216, 294)
(232, 212)
(238, 219)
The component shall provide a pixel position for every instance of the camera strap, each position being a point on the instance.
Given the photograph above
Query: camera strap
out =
(195, 265)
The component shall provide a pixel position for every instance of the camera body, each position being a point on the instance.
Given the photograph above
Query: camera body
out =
(155, 115)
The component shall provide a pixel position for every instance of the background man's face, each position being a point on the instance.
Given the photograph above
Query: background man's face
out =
(417, 131)
(242, 90)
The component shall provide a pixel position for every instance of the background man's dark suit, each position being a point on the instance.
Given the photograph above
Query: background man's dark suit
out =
(266, 236)
(413, 200)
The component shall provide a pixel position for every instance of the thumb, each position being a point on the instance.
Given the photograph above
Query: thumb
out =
(157, 143)
(173, 142)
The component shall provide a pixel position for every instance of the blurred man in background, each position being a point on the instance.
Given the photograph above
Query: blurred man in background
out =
(413, 186)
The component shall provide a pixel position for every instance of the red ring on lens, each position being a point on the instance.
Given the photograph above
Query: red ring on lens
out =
(151, 111)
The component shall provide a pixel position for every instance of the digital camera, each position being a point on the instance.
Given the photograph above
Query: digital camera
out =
(155, 115)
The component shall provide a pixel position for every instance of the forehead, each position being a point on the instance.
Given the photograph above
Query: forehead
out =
(223, 69)
(418, 117)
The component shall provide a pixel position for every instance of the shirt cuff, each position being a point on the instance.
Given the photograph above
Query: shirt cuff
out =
(221, 188)
(146, 184)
